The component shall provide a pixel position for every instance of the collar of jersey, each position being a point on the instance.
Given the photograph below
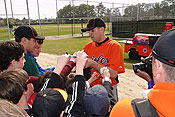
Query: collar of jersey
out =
(98, 44)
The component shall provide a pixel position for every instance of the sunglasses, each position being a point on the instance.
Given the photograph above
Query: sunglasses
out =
(39, 41)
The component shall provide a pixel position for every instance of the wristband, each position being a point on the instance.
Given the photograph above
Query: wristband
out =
(87, 85)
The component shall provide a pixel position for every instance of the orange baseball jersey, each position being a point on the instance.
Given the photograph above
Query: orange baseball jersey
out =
(109, 54)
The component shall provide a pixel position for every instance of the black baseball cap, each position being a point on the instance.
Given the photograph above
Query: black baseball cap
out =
(93, 23)
(28, 32)
(49, 103)
(164, 48)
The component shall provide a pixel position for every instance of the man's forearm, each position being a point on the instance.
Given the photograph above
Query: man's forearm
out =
(97, 66)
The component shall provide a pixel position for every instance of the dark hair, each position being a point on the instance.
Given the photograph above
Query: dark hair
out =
(69, 82)
(8, 51)
(19, 39)
(41, 80)
(63, 80)
(12, 84)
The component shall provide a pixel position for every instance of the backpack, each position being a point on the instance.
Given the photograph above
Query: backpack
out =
(143, 108)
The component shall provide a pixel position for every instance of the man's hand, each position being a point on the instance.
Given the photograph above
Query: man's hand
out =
(92, 78)
(104, 71)
(72, 58)
(97, 66)
(143, 75)
(80, 62)
(61, 62)
(89, 63)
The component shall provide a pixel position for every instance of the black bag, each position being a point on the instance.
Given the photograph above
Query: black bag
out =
(143, 108)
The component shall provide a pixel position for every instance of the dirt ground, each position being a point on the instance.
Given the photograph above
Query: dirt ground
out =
(130, 85)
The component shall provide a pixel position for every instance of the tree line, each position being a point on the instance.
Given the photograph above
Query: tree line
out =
(162, 10)
(86, 11)
(140, 11)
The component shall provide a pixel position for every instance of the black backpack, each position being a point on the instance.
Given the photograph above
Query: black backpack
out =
(143, 108)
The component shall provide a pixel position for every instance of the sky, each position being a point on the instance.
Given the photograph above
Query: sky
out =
(47, 8)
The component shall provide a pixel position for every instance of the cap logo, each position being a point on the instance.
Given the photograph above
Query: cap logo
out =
(171, 61)
(44, 95)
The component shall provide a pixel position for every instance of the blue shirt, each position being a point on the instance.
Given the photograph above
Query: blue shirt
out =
(150, 84)
(41, 70)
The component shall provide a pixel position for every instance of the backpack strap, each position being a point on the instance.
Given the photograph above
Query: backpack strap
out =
(143, 108)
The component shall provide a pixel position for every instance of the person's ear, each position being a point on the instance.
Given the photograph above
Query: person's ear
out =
(24, 40)
(13, 62)
(158, 65)
(102, 29)
(158, 70)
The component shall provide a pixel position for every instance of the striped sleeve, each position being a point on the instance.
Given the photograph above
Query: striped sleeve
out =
(76, 104)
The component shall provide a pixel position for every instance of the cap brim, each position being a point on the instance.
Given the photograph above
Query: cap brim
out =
(84, 29)
(162, 60)
(39, 37)
(87, 29)
(63, 93)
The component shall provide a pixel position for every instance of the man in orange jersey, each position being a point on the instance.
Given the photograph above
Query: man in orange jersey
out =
(102, 52)
(162, 96)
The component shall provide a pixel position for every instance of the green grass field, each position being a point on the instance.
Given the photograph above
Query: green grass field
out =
(64, 29)
(48, 30)
(62, 46)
